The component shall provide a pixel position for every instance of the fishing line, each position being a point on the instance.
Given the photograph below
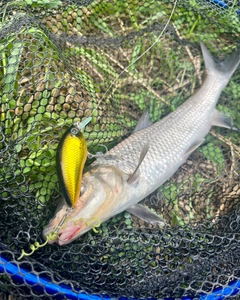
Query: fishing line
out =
(157, 40)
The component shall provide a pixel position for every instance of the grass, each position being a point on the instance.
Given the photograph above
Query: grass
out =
(27, 113)
(45, 88)
(35, 110)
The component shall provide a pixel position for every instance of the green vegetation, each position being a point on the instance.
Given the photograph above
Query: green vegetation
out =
(45, 88)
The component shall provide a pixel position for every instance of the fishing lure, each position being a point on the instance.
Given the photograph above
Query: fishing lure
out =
(71, 156)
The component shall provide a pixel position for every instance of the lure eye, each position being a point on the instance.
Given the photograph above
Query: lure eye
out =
(74, 130)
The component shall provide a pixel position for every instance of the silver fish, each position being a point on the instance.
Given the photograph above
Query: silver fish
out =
(137, 166)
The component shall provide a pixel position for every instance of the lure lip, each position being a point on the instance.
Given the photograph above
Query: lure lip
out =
(83, 124)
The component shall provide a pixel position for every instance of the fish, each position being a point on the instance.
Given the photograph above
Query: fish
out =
(118, 180)
(71, 156)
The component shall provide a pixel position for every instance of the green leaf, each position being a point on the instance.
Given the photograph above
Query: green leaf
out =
(214, 154)
(12, 66)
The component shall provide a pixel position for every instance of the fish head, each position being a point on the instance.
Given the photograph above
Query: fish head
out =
(101, 188)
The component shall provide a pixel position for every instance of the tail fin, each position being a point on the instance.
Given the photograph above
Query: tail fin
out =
(225, 68)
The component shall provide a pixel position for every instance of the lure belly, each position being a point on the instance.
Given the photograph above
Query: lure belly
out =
(70, 160)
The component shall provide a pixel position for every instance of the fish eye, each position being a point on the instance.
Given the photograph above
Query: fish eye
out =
(82, 190)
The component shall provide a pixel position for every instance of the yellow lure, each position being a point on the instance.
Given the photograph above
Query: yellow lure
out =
(70, 159)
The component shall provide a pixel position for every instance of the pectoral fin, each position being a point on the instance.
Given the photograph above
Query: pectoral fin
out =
(146, 214)
(133, 178)
(143, 122)
(221, 120)
(193, 148)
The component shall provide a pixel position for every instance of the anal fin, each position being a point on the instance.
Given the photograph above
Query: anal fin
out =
(193, 148)
(146, 214)
(221, 120)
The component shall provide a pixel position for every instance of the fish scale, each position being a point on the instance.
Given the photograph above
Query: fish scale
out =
(108, 189)
(175, 137)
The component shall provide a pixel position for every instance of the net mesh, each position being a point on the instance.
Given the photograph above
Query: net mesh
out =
(57, 62)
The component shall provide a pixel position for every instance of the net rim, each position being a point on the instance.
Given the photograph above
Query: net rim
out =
(37, 282)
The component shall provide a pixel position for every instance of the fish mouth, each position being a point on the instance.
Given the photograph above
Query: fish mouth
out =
(66, 234)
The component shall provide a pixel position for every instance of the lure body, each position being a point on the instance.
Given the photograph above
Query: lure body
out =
(70, 160)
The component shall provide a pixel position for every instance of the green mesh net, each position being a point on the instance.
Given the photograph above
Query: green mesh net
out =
(59, 63)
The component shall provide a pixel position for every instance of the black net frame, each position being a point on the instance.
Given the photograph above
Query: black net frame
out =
(57, 62)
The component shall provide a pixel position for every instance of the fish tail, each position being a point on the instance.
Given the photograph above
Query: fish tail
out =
(224, 69)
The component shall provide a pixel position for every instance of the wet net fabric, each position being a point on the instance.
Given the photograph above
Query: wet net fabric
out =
(58, 60)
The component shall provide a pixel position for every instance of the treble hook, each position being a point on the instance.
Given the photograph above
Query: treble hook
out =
(68, 210)
(94, 226)
(98, 154)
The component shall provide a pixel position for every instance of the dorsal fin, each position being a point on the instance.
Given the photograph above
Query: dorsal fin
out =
(143, 122)
(133, 178)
